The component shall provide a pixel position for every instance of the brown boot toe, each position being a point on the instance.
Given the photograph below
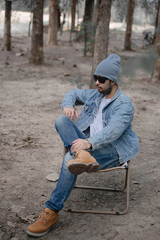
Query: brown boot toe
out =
(47, 221)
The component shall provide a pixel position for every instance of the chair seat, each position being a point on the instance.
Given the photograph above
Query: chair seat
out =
(125, 167)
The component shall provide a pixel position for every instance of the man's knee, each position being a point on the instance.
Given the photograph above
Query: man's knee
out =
(61, 121)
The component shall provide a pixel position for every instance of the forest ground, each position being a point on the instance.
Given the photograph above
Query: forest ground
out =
(31, 149)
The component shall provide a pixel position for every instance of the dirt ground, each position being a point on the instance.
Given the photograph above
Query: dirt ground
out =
(30, 98)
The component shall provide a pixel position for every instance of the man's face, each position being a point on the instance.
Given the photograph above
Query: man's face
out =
(104, 88)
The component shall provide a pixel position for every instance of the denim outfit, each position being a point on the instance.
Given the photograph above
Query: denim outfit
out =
(112, 146)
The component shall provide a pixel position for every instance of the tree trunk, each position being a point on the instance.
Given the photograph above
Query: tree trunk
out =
(88, 12)
(156, 73)
(37, 34)
(87, 25)
(95, 21)
(53, 23)
(156, 25)
(7, 27)
(59, 17)
(73, 14)
(102, 34)
(127, 44)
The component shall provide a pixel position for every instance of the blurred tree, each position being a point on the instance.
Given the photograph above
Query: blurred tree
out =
(88, 10)
(156, 24)
(121, 10)
(37, 34)
(156, 73)
(87, 25)
(59, 16)
(53, 23)
(73, 14)
(102, 34)
(150, 8)
(128, 35)
(7, 26)
(63, 4)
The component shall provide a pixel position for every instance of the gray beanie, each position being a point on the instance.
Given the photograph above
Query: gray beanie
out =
(109, 68)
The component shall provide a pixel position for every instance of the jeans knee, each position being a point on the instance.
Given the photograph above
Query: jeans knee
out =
(60, 121)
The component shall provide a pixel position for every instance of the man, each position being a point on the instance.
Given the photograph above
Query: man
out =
(102, 137)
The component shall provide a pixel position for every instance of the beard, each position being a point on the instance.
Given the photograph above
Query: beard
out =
(106, 91)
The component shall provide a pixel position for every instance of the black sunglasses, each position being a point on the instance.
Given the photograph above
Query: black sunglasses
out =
(100, 79)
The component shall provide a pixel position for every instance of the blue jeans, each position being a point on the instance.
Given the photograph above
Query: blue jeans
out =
(106, 156)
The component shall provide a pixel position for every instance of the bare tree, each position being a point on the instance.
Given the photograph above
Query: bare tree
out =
(7, 27)
(121, 10)
(156, 74)
(53, 22)
(88, 12)
(102, 34)
(73, 14)
(87, 25)
(156, 25)
(127, 44)
(37, 34)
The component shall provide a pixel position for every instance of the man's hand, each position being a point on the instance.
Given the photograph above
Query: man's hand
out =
(70, 112)
(80, 144)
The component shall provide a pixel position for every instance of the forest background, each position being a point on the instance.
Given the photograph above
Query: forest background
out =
(48, 48)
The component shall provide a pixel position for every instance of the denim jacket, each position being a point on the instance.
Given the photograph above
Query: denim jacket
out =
(117, 116)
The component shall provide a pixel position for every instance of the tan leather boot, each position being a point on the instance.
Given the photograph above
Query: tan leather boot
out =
(83, 162)
(47, 221)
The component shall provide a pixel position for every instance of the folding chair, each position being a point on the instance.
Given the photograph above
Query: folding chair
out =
(125, 167)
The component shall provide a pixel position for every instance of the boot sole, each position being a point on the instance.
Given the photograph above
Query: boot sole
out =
(78, 168)
(44, 233)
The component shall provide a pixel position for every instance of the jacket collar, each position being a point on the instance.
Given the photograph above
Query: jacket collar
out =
(101, 96)
(118, 92)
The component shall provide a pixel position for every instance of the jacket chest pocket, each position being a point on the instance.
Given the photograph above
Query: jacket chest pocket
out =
(88, 109)
(106, 122)
(107, 117)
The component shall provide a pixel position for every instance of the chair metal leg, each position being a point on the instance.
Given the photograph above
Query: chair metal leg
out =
(127, 187)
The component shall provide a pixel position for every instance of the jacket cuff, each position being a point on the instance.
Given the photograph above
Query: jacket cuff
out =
(64, 106)
(90, 140)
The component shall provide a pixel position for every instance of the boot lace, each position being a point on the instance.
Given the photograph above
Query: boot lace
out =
(45, 215)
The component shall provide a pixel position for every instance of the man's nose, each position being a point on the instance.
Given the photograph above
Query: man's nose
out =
(97, 81)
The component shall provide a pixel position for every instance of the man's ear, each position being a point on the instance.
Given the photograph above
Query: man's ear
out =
(112, 83)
